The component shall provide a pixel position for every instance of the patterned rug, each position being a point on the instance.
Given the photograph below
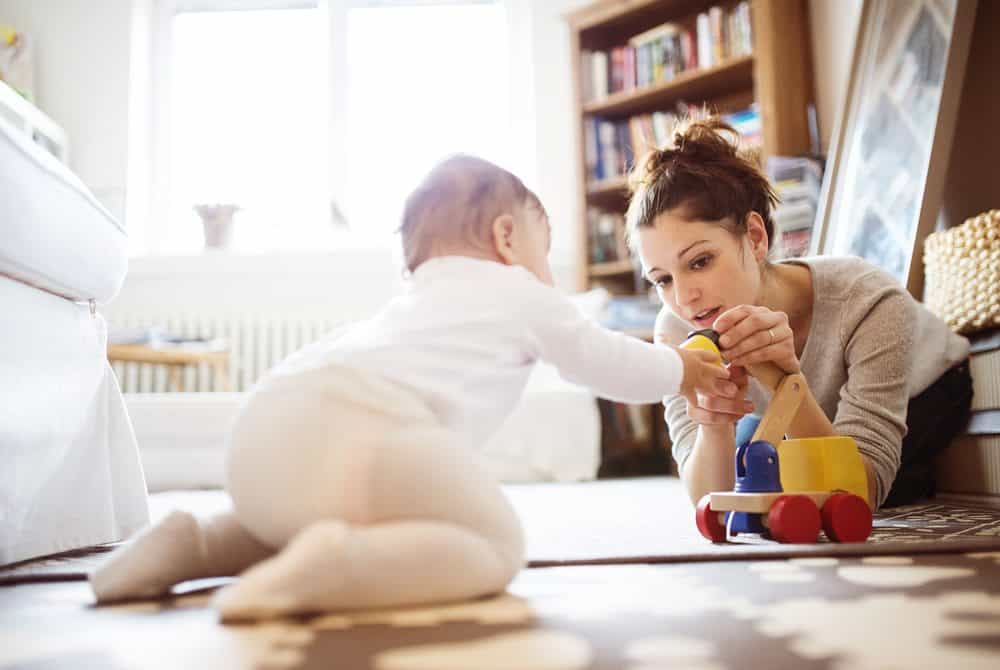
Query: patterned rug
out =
(646, 520)
(926, 611)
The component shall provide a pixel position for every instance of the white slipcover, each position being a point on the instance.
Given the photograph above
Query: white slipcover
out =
(70, 474)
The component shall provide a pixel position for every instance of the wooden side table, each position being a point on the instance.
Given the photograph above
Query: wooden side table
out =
(175, 357)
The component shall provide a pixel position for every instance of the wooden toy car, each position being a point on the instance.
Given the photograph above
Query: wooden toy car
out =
(788, 490)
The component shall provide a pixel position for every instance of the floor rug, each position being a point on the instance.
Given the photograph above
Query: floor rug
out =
(928, 611)
(645, 520)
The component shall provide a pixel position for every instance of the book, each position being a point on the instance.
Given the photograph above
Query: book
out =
(970, 464)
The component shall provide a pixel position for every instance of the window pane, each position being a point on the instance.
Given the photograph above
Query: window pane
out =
(248, 126)
(424, 82)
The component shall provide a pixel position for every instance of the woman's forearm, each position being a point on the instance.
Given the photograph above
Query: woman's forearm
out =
(710, 467)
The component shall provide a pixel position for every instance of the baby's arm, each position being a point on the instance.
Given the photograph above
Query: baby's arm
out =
(612, 364)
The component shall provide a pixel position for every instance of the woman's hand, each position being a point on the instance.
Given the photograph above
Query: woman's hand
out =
(752, 334)
(719, 410)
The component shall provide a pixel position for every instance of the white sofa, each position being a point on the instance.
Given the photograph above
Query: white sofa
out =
(553, 435)
(70, 474)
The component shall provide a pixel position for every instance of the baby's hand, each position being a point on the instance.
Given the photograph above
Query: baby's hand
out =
(703, 373)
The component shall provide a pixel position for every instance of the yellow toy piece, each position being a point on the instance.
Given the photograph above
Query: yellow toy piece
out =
(822, 464)
(703, 340)
(7, 35)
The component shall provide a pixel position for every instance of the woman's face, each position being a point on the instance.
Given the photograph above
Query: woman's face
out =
(699, 268)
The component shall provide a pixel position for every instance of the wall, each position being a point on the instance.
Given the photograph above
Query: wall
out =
(555, 132)
(834, 25)
(973, 182)
(90, 96)
(81, 80)
(350, 285)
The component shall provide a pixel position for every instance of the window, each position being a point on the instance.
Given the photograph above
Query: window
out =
(302, 113)
(424, 82)
(248, 126)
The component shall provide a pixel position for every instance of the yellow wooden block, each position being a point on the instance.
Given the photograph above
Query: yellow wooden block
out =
(822, 464)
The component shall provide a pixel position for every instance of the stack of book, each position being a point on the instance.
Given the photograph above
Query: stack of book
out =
(606, 231)
(971, 465)
(158, 338)
(634, 313)
(797, 181)
(662, 53)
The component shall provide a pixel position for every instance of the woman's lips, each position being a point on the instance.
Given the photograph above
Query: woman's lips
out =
(707, 320)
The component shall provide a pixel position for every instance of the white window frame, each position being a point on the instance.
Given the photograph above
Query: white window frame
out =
(149, 176)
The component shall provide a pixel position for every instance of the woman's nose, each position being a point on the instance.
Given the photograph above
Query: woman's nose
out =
(685, 293)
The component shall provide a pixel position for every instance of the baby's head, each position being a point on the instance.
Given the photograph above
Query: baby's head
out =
(467, 206)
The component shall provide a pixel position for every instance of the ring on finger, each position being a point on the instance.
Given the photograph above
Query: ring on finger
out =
(771, 333)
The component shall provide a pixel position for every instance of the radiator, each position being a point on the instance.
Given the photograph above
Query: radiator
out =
(256, 342)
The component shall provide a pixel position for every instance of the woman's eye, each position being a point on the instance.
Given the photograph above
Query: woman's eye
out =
(663, 281)
(700, 262)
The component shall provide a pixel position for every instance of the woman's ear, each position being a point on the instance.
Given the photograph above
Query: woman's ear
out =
(503, 238)
(757, 235)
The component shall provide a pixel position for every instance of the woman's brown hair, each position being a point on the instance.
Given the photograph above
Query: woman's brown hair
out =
(703, 175)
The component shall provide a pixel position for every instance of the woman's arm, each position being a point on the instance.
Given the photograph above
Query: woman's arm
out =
(873, 401)
(703, 434)
(872, 407)
(710, 466)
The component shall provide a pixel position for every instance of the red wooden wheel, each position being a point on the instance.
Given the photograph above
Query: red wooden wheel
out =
(794, 519)
(708, 521)
(847, 518)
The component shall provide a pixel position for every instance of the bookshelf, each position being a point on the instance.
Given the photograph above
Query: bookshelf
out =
(769, 70)
(634, 63)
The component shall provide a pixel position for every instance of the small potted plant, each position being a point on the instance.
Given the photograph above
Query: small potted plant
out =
(217, 221)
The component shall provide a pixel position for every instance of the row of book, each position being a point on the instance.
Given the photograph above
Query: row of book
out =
(611, 147)
(662, 53)
(797, 181)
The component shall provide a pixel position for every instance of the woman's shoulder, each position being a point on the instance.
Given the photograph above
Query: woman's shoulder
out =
(848, 278)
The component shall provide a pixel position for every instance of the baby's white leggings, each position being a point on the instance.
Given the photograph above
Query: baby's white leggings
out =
(365, 498)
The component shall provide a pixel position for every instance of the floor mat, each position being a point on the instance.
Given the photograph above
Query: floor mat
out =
(650, 520)
(928, 611)
(647, 520)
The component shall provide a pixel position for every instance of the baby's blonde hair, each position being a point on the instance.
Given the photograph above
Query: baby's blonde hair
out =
(455, 206)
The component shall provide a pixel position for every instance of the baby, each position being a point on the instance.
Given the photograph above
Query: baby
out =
(351, 465)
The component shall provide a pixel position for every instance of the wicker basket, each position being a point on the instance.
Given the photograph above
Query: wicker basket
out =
(962, 274)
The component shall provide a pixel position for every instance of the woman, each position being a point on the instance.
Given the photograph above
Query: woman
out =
(885, 371)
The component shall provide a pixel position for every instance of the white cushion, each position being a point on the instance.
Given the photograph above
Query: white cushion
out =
(56, 235)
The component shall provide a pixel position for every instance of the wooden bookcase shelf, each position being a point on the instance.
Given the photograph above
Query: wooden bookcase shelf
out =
(776, 76)
(733, 75)
(611, 268)
(605, 187)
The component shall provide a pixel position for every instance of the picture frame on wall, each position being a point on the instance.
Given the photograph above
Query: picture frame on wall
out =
(890, 152)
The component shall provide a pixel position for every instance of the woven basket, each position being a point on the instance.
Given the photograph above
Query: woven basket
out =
(962, 274)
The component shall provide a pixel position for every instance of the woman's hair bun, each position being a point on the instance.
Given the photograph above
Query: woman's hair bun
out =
(701, 139)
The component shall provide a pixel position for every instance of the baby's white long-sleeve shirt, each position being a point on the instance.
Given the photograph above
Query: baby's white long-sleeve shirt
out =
(466, 334)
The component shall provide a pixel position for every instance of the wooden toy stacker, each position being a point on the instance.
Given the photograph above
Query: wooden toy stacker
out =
(788, 489)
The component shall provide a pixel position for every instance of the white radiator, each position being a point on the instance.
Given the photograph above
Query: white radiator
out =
(256, 342)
